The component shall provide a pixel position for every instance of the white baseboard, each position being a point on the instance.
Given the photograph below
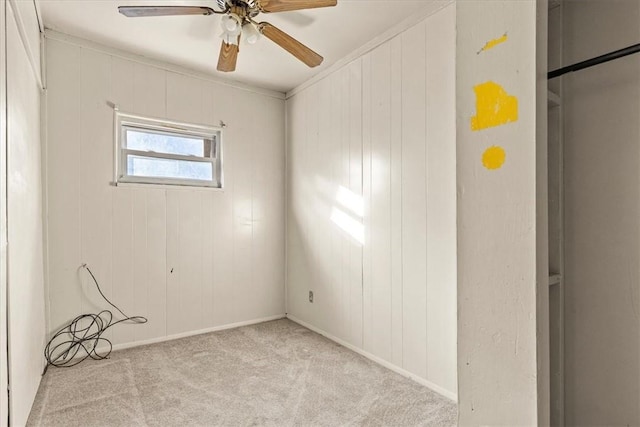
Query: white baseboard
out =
(440, 390)
(123, 346)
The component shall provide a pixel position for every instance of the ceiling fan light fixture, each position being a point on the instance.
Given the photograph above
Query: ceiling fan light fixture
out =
(250, 33)
(231, 24)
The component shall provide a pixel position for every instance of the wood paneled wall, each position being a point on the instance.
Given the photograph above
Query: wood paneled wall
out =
(383, 128)
(188, 259)
(25, 277)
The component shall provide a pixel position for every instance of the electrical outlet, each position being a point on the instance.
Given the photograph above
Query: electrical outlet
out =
(311, 296)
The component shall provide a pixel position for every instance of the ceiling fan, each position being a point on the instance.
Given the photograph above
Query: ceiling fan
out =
(238, 20)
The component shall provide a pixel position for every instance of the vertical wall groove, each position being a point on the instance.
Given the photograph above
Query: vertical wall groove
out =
(426, 196)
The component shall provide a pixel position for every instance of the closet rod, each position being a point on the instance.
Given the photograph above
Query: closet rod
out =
(595, 61)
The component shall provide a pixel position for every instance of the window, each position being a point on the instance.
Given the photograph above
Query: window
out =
(155, 151)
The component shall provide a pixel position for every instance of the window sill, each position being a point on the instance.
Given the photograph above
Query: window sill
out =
(146, 186)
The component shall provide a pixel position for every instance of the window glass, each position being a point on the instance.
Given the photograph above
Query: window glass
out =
(144, 140)
(168, 168)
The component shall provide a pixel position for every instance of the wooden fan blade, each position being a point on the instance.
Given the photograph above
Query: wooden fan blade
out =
(228, 57)
(287, 5)
(140, 11)
(291, 45)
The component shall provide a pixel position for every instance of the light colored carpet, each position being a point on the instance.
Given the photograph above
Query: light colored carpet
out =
(276, 373)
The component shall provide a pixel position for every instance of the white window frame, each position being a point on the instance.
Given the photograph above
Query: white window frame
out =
(124, 121)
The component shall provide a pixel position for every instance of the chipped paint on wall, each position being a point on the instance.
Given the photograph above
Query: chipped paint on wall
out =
(493, 43)
(494, 107)
(494, 157)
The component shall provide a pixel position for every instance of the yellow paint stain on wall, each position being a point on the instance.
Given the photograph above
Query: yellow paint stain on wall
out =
(494, 157)
(493, 43)
(494, 107)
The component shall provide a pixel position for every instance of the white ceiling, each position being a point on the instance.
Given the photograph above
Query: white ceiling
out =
(193, 41)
